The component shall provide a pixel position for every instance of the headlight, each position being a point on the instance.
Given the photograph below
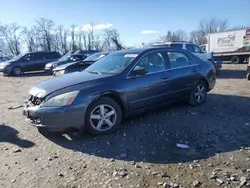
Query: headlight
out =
(64, 99)
(54, 65)
(3, 65)
(61, 72)
(41, 93)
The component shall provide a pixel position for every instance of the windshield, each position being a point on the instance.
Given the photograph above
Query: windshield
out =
(64, 58)
(17, 57)
(95, 57)
(113, 63)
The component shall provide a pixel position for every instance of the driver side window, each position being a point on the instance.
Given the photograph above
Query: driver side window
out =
(153, 62)
(28, 57)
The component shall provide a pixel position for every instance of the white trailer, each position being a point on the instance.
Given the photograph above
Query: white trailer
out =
(233, 45)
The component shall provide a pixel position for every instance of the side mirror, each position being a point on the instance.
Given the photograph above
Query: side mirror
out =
(138, 70)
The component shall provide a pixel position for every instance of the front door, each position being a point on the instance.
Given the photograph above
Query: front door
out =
(149, 89)
(27, 62)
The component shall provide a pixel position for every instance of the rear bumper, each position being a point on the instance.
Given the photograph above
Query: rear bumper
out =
(55, 118)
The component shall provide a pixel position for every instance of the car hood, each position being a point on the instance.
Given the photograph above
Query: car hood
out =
(5, 63)
(48, 86)
(51, 63)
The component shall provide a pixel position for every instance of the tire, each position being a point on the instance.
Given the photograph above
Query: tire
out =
(217, 72)
(16, 71)
(43, 131)
(248, 76)
(194, 99)
(98, 124)
(235, 60)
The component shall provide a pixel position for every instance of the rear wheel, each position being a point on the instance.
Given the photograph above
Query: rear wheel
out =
(248, 76)
(17, 71)
(103, 116)
(198, 94)
(235, 59)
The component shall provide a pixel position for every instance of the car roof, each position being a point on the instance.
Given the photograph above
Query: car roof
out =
(43, 52)
(173, 42)
(145, 50)
(133, 50)
(77, 54)
(102, 53)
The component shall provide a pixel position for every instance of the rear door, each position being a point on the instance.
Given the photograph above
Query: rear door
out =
(45, 58)
(40, 61)
(184, 73)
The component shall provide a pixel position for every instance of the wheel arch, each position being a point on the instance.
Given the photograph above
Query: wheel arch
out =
(17, 66)
(113, 95)
(205, 81)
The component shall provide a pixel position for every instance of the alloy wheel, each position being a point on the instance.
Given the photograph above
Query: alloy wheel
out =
(103, 117)
(17, 71)
(200, 93)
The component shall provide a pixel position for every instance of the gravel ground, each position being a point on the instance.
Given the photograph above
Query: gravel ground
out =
(143, 153)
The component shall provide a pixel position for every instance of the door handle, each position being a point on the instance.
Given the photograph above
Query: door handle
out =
(164, 77)
(195, 70)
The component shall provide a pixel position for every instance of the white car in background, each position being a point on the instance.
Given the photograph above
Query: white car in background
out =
(193, 48)
(189, 46)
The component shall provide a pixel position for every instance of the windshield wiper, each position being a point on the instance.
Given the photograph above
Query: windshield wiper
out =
(95, 72)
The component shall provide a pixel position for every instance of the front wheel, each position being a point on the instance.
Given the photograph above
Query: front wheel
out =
(198, 94)
(17, 71)
(103, 116)
(248, 76)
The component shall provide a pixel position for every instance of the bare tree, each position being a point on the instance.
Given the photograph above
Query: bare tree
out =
(179, 35)
(112, 39)
(239, 27)
(208, 26)
(213, 25)
(12, 37)
(45, 28)
(3, 47)
(198, 37)
(98, 43)
(31, 39)
(73, 37)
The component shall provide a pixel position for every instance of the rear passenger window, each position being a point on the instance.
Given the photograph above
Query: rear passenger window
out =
(177, 59)
(36, 56)
(50, 55)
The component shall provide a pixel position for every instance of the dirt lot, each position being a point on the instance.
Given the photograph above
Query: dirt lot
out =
(143, 153)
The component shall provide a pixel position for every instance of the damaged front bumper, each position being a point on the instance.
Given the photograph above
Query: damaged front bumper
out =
(55, 118)
(218, 64)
